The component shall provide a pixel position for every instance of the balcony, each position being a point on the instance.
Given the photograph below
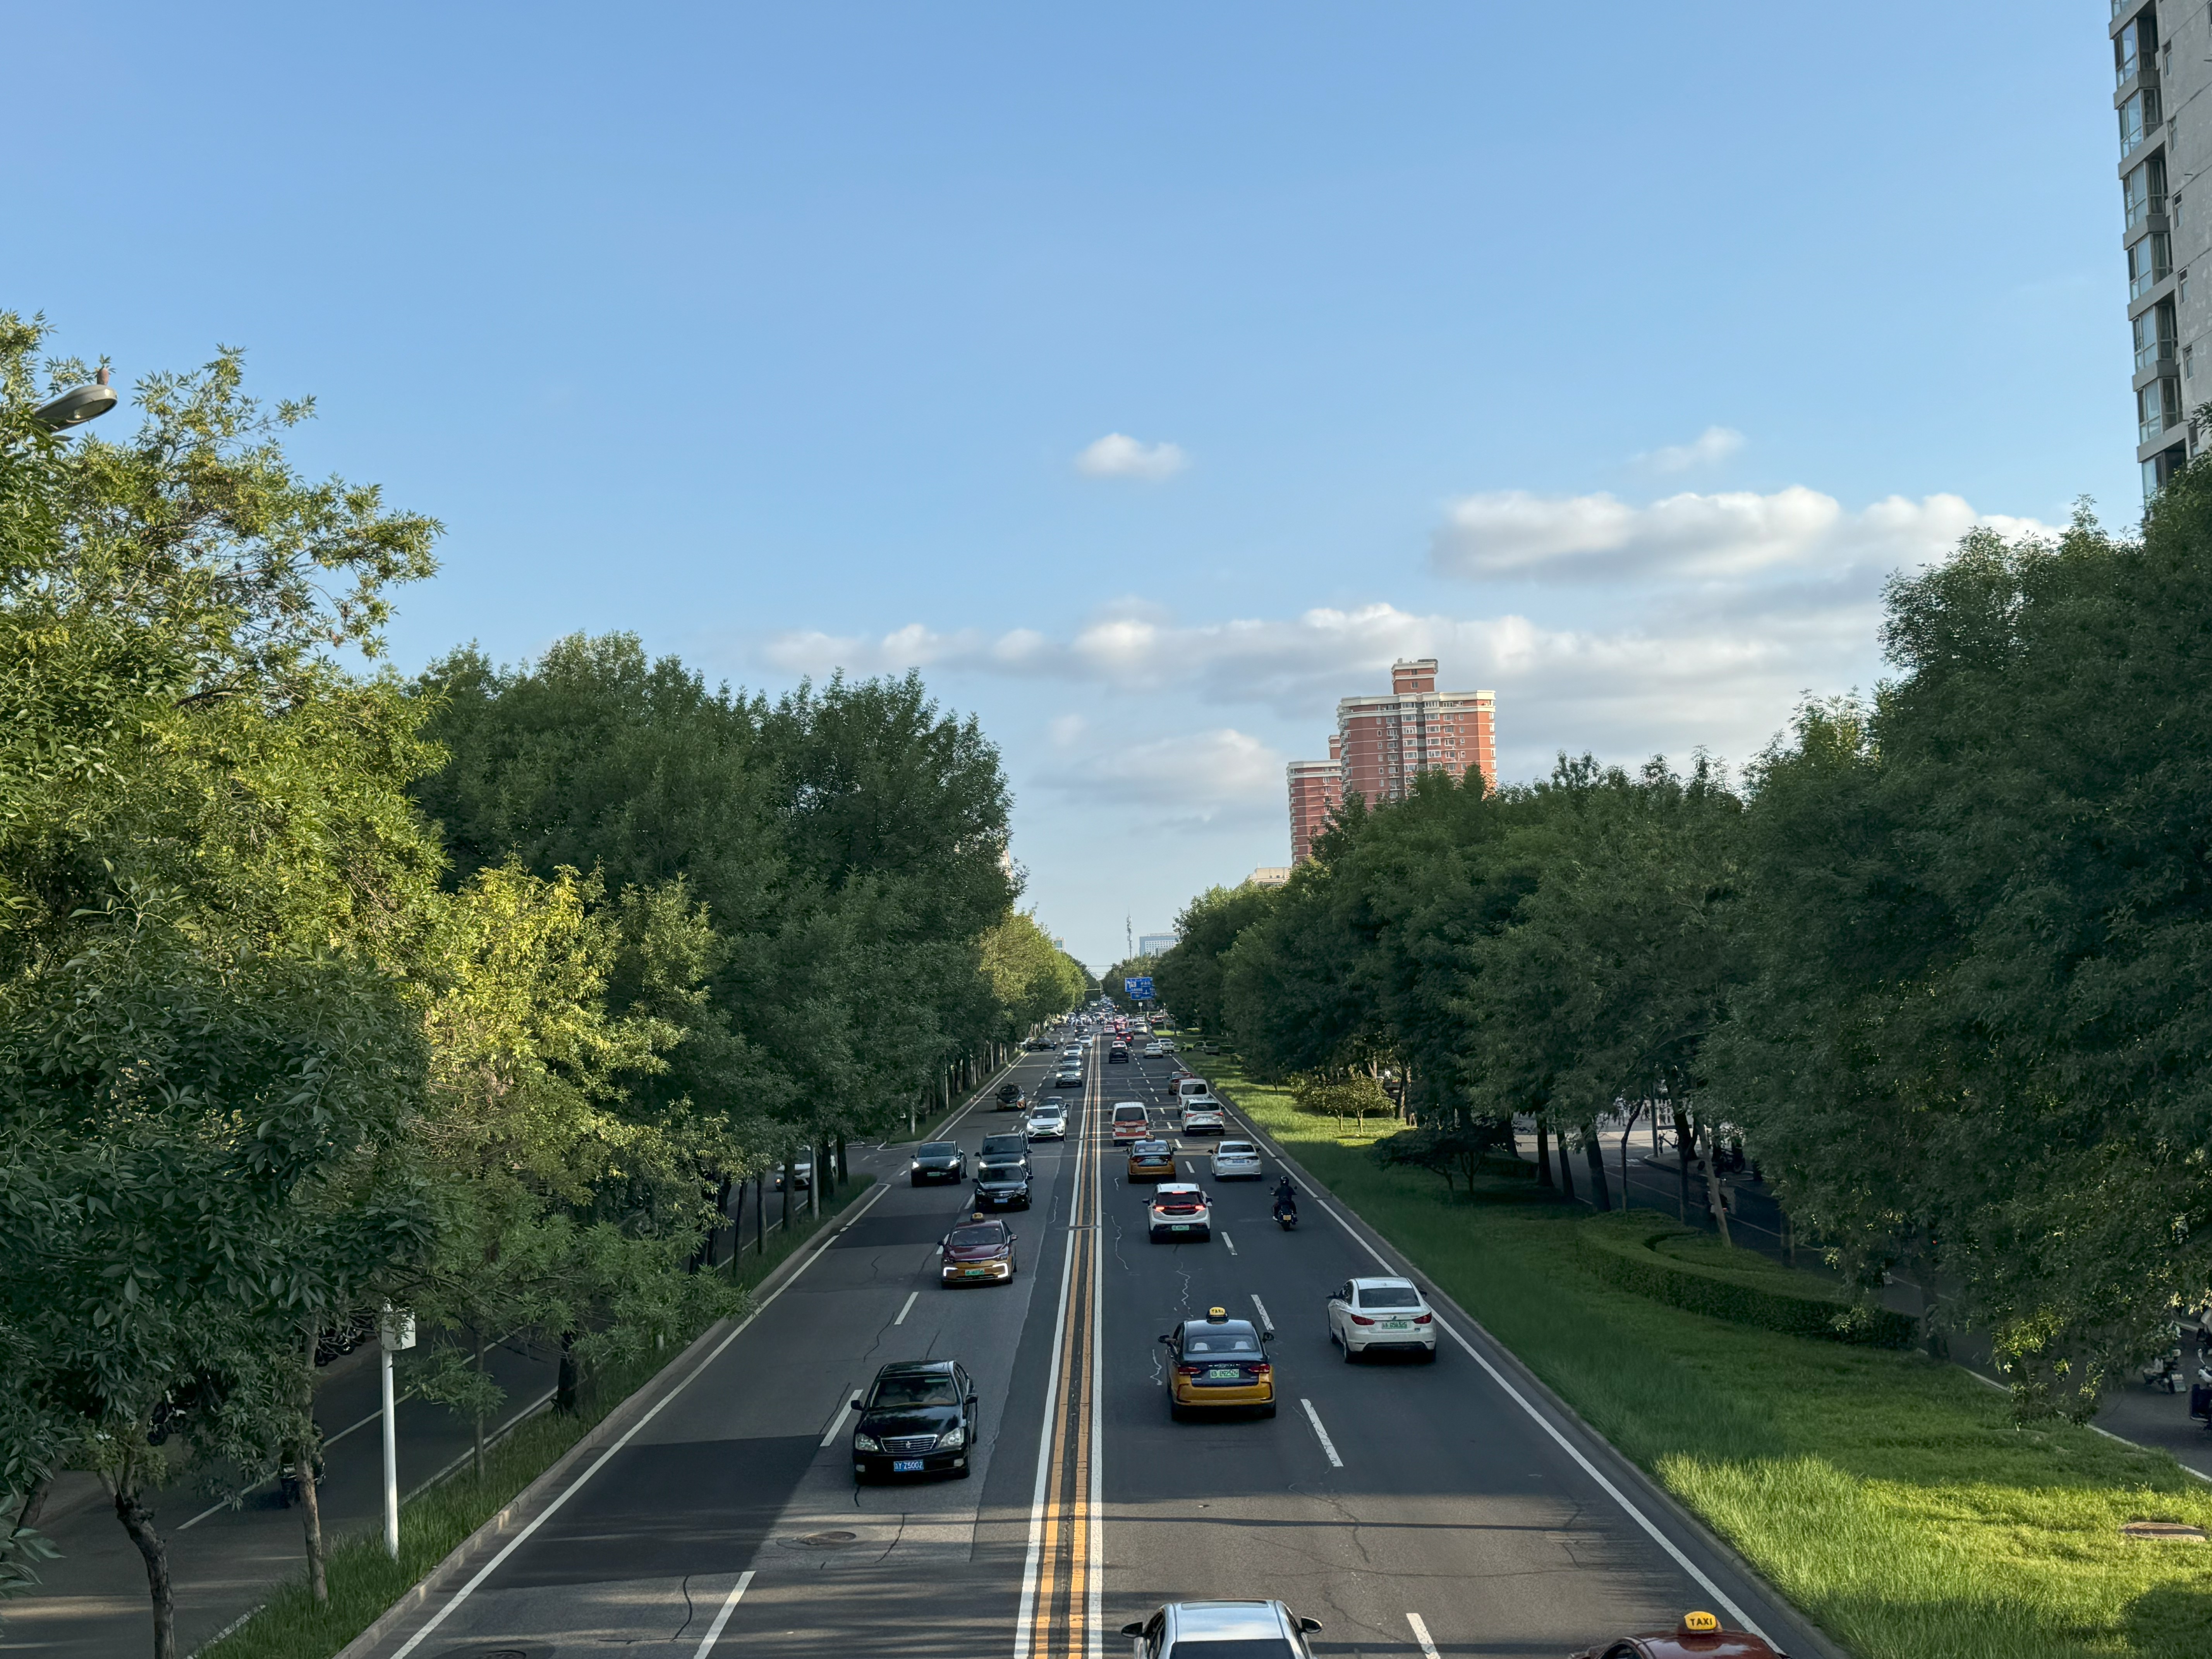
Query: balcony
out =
(2144, 209)
(2157, 354)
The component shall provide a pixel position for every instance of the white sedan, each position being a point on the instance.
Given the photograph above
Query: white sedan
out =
(1048, 1122)
(1203, 1119)
(1235, 1160)
(1382, 1315)
(1179, 1209)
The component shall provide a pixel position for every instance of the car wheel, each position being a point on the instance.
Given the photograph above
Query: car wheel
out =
(962, 1472)
(1267, 1410)
(914, 1180)
(1175, 1411)
(1347, 1351)
(1428, 1357)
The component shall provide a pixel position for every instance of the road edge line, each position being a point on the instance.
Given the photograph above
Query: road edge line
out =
(426, 1589)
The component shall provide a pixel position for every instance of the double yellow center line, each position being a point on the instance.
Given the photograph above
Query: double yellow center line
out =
(1062, 1580)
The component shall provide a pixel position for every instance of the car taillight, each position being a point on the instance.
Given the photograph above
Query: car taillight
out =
(1263, 1370)
(1423, 1319)
(1191, 1370)
(1357, 1320)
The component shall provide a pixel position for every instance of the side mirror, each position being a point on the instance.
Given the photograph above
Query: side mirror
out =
(971, 1398)
(857, 1406)
(1309, 1626)
(1267, 1334)
(1170, 1340)
(1137, 1629)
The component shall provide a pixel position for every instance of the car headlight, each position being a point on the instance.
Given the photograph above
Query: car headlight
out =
(916, 1164)
(867, 1443)
(952, 1440)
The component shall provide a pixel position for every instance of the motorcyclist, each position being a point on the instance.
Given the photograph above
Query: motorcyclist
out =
(1286, 1198)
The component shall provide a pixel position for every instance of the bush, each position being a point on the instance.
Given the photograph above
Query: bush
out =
(1625, 1251)
(1455, 1153)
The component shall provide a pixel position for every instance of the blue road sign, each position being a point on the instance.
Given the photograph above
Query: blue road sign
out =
(1139, 988)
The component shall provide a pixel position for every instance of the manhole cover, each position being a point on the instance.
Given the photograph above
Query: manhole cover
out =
(2162, 1529)
(830, 1541)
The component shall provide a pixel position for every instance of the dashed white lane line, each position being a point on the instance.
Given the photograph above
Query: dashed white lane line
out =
(730, 1605)
(1321, 1434)
(1266, 1323)
(1230, 1242)
(908, 1308)
(1421, 1635)
(837, 1423)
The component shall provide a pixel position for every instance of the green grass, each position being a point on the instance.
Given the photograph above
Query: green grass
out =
(364, 1581)
(1890, 1497)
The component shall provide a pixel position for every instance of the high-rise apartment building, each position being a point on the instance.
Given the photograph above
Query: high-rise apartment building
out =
(2162, 64)
(1382, 743)
(1316, 791)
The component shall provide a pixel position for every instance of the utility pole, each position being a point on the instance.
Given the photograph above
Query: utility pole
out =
(1128, 939)
(397, 1332)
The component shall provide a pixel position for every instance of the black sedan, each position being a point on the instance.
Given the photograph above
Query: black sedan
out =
(918, 1417)
(1002, 1185)
(937, 1160)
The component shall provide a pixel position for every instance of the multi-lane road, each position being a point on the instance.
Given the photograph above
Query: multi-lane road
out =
(1413, 1509)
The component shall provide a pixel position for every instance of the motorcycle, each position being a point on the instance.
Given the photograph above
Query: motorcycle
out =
(1287, 1215)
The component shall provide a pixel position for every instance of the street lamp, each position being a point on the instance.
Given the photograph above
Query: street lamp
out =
(77, 406)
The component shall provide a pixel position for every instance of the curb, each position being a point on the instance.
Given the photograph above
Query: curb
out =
(1803, 1638)
(527, 1505)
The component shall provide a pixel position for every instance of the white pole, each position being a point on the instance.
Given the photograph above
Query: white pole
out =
(390, 1462)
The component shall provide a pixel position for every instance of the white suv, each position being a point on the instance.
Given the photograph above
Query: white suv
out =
(1048, 1122)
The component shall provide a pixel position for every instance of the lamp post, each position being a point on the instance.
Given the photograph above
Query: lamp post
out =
(396, 1331)
(77, 406)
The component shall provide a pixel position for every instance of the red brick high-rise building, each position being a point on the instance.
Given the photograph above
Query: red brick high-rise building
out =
(1382, 742)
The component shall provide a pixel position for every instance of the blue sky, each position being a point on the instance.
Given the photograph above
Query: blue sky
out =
(1610, 353)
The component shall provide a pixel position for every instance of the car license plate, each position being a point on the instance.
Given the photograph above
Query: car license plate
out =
(1179, 1227)
(1397, 1325)
(1223, 1374)
(906, 1466)
(974, 1273)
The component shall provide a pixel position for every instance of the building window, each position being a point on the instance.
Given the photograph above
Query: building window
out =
(2186, 370)
(2149, 263)
(2138, 119)
(2154, 333)
(2142, 192)
(2158, 408)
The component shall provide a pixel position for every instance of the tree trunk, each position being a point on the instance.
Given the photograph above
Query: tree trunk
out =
(1567, 1170)
(1594, 1151)
(790, 1178)
(138, 1521)
(564, 1386)
(737, 1224)
(1713, 1187)
(1682, 1130)
(760, 1213)
(305, 1452)
(844, 1164)
(1543, 1155)
(477, 1441)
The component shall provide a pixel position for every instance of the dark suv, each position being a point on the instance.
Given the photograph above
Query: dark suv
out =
(937, 1160)
(918, 1417)
(1005, 1149)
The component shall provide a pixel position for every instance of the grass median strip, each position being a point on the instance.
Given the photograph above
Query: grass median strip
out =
(1889, 1496)
(364, 1581)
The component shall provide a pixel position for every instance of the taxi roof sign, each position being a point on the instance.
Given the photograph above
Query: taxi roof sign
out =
(1700, 1624)
(1217, 1316)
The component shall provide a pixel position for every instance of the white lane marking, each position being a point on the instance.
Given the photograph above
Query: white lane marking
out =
(1266, 1323)
(1230, 1242)
(730, 1605)
(844, 1411)
(907, 1310)
(829, 1238)
(1627, 1505)
(1031, 1567)
(1321, 1434)
(1421, 1635)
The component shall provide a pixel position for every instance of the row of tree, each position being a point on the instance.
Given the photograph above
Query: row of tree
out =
(1942, 956)
(321, 989)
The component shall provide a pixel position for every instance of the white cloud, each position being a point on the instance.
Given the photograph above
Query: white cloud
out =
(1189, 780)
(1117, 455)
(1733, 535)
(1713, 445)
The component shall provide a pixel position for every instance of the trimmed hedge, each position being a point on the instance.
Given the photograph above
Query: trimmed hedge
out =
(1622, 1250)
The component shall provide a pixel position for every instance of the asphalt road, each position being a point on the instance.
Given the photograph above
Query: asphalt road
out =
(1447, 1511)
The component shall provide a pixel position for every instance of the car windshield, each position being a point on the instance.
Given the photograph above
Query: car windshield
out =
(923, 1388)
(1219, 1339)
(1390, 1296)
(1229, 1147)
(971, 1238)
(939, 1149)
(1002, 1145)
(1235, 1647)
(1128, 1115)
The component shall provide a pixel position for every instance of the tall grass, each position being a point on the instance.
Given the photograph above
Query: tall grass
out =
(364, 1581)
(1890, 1497)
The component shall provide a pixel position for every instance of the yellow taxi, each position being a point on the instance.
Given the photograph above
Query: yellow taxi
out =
(1220, 1364)
(1700, 1636)
(1152, 1160)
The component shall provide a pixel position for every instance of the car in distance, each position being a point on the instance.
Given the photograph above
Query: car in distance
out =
(1010, 1098)
(1068, 1076)
(1047, 1120)
(937, 1160)
(1179, 1209)
(1151, 1160)
(1153, 1051)
(1382, 1315)
(1118, 1053)
(1700, 1636)
(1203, 1119)
(799, 1175)
(1130, 1121)
(1234, 1160)
(918, 1417)
(979, 1251)
(1220, 1364)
